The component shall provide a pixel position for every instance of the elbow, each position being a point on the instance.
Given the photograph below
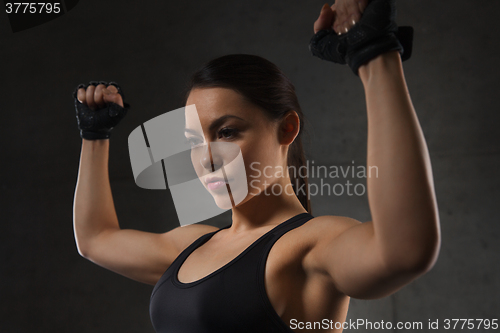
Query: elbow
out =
(417, 257)
(424, 260)
(82, 248)
(82, 252)
(85, 242)
(414, 266)
(428, 252)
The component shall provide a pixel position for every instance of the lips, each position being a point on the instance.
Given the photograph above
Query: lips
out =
(215, 182)
(213, 179)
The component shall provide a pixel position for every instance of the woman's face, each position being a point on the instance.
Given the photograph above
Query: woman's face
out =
(230, 124)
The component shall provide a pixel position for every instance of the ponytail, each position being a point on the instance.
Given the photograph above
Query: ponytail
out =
(300, 182)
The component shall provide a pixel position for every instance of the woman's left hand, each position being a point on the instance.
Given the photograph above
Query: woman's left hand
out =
(341, 16)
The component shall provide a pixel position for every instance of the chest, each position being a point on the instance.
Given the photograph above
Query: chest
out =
(278, 263)
(262, 285)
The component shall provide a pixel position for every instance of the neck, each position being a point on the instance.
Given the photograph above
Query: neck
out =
(266, 209)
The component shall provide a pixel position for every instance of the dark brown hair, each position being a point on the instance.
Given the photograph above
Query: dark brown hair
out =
(262, 83)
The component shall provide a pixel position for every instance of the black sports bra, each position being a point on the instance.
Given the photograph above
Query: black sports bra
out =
(231, 299)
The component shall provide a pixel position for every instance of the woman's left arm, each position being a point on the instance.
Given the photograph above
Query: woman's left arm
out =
(402, 198)
(376, 258)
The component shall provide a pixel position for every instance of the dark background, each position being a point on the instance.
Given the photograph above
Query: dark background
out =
(151, 48)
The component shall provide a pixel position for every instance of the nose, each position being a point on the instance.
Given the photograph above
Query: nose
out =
(209, 159)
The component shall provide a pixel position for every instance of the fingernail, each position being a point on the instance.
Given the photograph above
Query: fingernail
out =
(325, 6)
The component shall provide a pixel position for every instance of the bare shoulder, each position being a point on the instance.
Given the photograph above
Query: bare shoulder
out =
(182, 236)
(317, 234)
(329, 226)
(306, 239)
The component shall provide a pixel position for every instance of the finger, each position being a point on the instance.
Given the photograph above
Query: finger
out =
(325, 19)
(352, 14)
(355, 18)
(113, 89)
(340, 18)
(341, 27)
(334, 10)
(98, 95)
(90, 97)
(111, 94)
(346, 26)
(344, 16)
(81, 95)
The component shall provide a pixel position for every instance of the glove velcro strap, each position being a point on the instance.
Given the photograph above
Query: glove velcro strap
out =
(361, 54)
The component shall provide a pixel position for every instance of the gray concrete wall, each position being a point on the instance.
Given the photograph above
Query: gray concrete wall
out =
(151, 48)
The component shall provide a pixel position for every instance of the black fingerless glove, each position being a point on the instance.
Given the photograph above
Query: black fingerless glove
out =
(376, 33)
(97, 124)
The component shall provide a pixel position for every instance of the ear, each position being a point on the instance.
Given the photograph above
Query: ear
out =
(289, 128)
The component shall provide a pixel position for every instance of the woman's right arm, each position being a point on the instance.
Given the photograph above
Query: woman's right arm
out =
(139, 255)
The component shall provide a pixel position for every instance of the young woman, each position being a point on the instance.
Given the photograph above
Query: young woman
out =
(275, 265)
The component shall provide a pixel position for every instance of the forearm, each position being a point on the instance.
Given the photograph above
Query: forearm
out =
(402, 199)
(93, 203)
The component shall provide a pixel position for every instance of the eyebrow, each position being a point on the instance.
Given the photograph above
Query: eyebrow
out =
(216, 123)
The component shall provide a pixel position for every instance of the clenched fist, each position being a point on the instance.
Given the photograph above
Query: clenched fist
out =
(355, 31)
(99, 108)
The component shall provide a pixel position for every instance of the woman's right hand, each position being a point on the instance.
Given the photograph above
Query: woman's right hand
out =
(99, 108)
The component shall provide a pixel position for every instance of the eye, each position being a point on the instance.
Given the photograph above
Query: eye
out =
(227, 133)
(193, 141)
